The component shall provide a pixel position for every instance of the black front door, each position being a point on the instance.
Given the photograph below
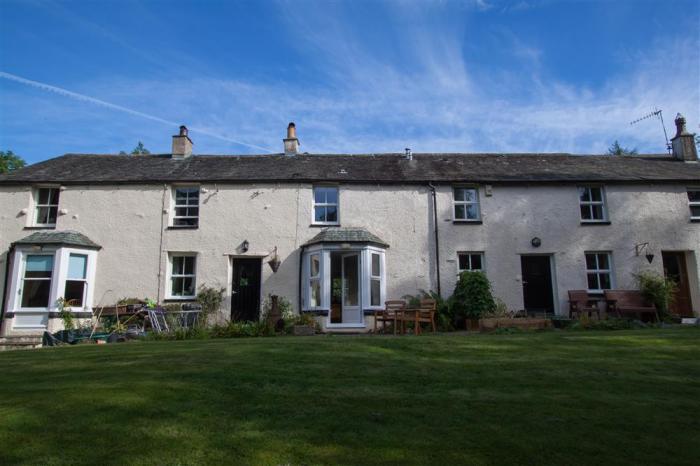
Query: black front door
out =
(537, 284)
(245, 298)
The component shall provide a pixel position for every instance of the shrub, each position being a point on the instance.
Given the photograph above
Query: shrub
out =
(657, 289)
(443, 315)
(500, 310)
(472, 297)
(65, 314)
(210, 299)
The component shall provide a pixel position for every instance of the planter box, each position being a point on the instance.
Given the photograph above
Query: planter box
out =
(487, 325)
(303, 330)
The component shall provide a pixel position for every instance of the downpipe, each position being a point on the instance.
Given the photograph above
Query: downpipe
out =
(437, 240)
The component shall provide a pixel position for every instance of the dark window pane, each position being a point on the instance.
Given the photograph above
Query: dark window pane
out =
(178, 286)
(586, 212)
(375, 264)
(189, 265)
(315, 265)
(74, 292)
(459, 194)
(188, 286)
(460, 212)
(185, 222)
(604, 281)
(694, 196)
(591, 262)
(596, 194)
(584, 194)
(331, 214)
(53, 213)
(178, 265)
(180, 211)
(593, 281)
(597, 212)
(463, 261)
(472, 212)
(53, 196)
(375, 293)
(44, 196)
(35, 293)
(319, 214)
(603, 262)
(695, 211)
(476, 261)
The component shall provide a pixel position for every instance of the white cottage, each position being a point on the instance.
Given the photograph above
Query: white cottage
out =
(339, 234)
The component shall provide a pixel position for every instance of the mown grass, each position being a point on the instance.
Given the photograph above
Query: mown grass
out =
(564, 398)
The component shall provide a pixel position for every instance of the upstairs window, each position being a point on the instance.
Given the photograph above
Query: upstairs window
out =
(186, 207)
(694, 203)
(36, 282)
(326, 205)
(46, 207)
(592, 204)
(471, 261)
(183, 276)
(599, 271)
(466, 204)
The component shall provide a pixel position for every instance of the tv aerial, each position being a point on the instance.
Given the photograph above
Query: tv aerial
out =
(657, 113)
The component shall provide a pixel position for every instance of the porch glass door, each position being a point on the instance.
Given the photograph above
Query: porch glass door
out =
(675, 269)
(351, 309)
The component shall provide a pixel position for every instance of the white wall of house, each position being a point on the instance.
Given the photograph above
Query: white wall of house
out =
(130, 223)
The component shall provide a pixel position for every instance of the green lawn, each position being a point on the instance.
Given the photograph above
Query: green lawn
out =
(562, 398)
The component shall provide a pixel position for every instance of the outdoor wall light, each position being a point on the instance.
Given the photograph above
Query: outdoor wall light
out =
(244, 246)
(536, 242)
(638, 248)
(274, 261)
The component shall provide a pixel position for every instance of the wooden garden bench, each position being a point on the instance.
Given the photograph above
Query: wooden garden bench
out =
(626, 302)
(390, 313)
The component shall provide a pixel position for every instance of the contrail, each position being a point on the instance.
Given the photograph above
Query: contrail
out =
(102, 103)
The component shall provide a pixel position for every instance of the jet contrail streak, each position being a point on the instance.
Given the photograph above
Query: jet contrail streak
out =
(102, 103)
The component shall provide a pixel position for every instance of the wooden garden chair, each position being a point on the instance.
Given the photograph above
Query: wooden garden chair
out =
(426, 314)
(392, 312)
(581, 302)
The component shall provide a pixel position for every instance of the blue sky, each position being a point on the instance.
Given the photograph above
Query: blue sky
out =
(360, 76)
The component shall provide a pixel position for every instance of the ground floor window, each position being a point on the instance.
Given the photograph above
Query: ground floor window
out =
(36, 283)
(183, 276)
(471, 261)
(344, 282)
(599, 271)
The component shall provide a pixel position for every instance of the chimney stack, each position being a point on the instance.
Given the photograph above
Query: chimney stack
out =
(182, 144)
(291, 143)
(683, 142)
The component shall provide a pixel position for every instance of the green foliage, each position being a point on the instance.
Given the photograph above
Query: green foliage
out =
(127, 301)
(657, 289)
(300, 319)
(9, 161)
(500, 310)
(284, 306)
(607, 324)
(140, 149)
(617, 149)
(65, 314)
(472, 297)
(210, 299)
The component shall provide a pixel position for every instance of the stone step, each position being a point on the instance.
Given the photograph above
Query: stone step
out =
(19, 342)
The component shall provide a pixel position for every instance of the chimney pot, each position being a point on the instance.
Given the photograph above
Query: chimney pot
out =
(182, 144)
(683, 142)
(291, 143)
(409, 154)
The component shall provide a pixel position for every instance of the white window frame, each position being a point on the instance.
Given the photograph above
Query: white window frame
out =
(470, 254)
(692, 204)
(325, 204)
(174, 206)
(58, 283)
(318, 278)
(375, 278)
(590, 204)
(169, 276)
(84, 280)
(476, 202)
(36, 206)
(598, 271)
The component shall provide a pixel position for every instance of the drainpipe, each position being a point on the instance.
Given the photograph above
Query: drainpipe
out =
(437, 240)
(301, 280)
(7, 281)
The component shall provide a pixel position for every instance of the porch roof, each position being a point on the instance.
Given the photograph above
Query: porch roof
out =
(346, 235)
(63, 238)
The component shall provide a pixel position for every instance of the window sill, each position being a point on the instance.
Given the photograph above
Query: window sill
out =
(180, 299)
(188, 227)
(695, 220)
(585, 224)
(323, 225)
(48, 227)
(468, 222)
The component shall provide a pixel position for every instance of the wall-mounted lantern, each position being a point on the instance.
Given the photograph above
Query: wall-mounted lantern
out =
(638, 248)
(536, 242)
(274, 261)
(244, 246)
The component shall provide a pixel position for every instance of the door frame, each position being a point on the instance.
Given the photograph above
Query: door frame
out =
(229, 281)
(687, 271)
(552, 278)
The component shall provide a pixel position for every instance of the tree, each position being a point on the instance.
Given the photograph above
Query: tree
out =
(10, 161)
(617, 149)
(140, 150)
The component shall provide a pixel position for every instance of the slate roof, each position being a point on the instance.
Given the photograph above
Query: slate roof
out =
(373, 168)
(346, 235)
(63, 238)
